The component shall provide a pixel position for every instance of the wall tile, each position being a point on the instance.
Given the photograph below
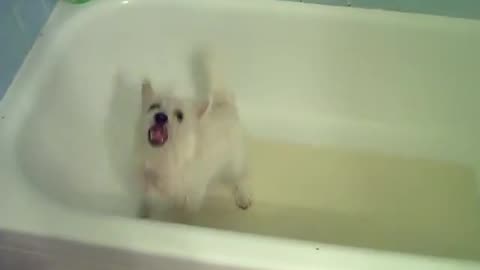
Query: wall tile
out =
(49, 4)
(33, 16)
(12, 47)
(20, 23)
(452, 8)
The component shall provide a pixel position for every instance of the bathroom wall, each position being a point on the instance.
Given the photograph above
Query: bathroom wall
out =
(454, 8)
(20, 23)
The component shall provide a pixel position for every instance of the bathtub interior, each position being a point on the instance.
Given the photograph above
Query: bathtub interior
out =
(361, 127)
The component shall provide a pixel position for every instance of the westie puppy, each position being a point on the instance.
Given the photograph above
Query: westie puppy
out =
(189, 144)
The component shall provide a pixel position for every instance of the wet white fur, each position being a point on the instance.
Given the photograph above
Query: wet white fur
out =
(206, 147)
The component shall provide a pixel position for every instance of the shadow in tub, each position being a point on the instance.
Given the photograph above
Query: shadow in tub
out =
(71, 155)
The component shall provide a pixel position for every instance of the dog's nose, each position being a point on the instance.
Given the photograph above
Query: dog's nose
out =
(161, 118)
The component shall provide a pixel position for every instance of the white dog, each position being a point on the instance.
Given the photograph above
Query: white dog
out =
(188, 144)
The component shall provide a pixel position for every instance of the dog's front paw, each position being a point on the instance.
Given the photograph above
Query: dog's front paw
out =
(192, 204)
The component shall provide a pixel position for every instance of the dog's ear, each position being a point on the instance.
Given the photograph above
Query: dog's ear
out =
(147, 91)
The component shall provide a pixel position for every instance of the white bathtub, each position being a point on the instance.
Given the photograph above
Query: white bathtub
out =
(363, 138)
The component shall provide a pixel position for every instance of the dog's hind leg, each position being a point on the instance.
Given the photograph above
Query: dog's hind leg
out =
(144, 210)
(194, 200)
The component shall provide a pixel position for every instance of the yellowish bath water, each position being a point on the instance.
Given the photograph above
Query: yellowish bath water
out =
(355, 199)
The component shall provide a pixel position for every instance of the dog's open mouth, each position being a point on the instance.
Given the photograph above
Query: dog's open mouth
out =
(157, 135)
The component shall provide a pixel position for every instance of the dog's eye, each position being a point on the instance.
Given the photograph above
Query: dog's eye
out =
(179, 115)
(154, 106)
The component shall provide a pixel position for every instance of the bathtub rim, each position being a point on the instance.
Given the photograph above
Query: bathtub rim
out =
(32, 214)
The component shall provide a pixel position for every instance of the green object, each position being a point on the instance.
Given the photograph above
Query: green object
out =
(77, 1)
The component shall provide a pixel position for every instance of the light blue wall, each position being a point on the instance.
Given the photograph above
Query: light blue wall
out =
(20, 23)
(453, 8)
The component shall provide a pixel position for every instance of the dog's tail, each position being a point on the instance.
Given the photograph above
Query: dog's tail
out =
(214, 80)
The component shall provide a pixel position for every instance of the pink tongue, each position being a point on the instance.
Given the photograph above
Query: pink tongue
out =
(158, 135)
